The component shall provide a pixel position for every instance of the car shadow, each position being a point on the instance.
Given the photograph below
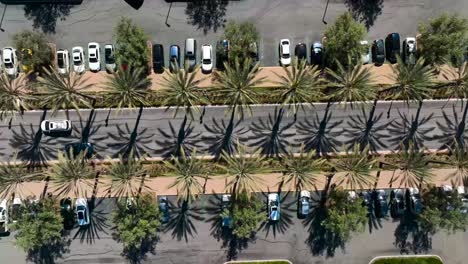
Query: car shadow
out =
(98, 223)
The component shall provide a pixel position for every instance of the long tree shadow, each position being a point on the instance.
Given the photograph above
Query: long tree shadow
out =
(174, 141)
(366, 130)
(285, 220)
(182, 219)
(410, 130)
(224, 137)
(270, 136)
(207, 14)
(50, 253)
(365, 11)
(453, 131)
(32, 147)
(318, 134)
(98, 223)
(1, 148)
(45, 16)
(129, 141)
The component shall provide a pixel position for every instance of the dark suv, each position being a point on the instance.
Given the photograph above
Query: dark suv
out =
(158, 58)
(301, 51)
(392, 47)
(378, 52)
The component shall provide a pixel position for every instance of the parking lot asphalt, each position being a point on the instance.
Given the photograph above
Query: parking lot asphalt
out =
(193, 240)
(298, 20)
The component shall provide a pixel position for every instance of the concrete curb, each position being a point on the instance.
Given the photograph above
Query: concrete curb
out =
(259, 261)
(407, 256)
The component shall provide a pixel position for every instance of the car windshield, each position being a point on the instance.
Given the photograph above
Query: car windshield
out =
(77, 61)
(8, 65)
(206, 61)
(93, 59)
(285, 56)
(61, 61)
(273, 203)
(80, 215)
(109, 57)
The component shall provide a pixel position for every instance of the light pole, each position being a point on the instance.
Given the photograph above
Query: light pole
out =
(325, 12)
(1, 21)
(168, 15)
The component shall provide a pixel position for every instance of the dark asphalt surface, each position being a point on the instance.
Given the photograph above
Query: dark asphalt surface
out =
(285, 239)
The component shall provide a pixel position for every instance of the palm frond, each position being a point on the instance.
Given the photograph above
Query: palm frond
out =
(12, 178)
(15, 96)
(459, 159)
(412, 165)
(126, 176)
(457, 77)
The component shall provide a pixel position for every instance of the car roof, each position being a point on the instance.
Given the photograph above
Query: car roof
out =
(305, 193)
(7, 52)
(272, 196)
(81, 201)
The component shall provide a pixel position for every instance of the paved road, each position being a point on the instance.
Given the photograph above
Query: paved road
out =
(160, 134)
(299, 20)
(286, 239)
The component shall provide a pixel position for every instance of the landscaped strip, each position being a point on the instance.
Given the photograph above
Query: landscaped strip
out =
(259, 262)
(407, 260)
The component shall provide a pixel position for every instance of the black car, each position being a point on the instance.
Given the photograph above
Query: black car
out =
(397, 203)
(222, 53)
(174, 54)
(392, 47)
(301, 51)
(414, 200)
(378, 52)
(158, 58)
(316, 54)
(66, 210)
(75, 149)
(379, 198)
(367, 201)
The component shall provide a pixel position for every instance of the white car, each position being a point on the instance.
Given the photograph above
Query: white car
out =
(109, 57)
(94, 56)
(285, 52)
(56, 126)
(207, 59)
(63, 61)
(409, 48)
(304, 207)
(273, 207)
(10, 61)
(78, 59)
(82, 211)
(365, 57)
(3, 217)
(15, 209)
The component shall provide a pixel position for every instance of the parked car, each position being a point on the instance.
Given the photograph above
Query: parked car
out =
(10, 61)
(273, 207)
(380, 203)
(56, 127)
(392, 47)
(303, 207)
(352, 195)
(316, 54)
(158, 58)
(75, 149)
(301, 51)
(94, 56)
(397, 203)
(253, 53)
(378, 52)
(164, 209)
(26, 60)
(207, 59)
(191, 53)
(174, 57)
(82, 211)
(15, 210)
(225, 205)
(78, 59)
(3, 217)
(222, 53)
(63, 61)
(409, 50)
(415, 204)
(66, 210)
(366, 56)
(109, 58)
(367, 202)
(284, 52)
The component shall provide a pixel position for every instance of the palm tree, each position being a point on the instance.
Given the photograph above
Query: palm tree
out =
(413, 167)
(127, 88)
(127, 177)
(301, 84)
(182, 89)
(355, 169)
(64, 91)
(351, 83)
(458, 158)
(457, 77)
(187, 171)
(302, 170)
(12, 178)
(14, 96)
(72, 174)
(241, 170)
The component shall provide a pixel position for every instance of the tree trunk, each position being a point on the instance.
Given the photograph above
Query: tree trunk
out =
(96, 182)
(142, 184)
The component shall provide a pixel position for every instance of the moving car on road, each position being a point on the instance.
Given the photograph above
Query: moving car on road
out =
(63, 61)
(82, 211)
(174, 57)
(284, 52)
(78, 59)
(56, 127)
(303, 207)
(273, 207)
(109, 57)
(94, 56)
(158, 58)
(207, 59)
(301, 51)
(378, 52)
(316, 54)
(392, 47)
(164, 209)
(10, 61)
(191, 53)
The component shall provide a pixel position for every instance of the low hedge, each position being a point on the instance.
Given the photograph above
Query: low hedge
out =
(409, 260)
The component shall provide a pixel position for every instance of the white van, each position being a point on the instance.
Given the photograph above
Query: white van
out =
(190, 53)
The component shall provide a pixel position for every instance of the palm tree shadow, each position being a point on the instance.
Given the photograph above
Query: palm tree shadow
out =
(366, 130)
(318, 134)
(45, 16)
(454, 129)
(98, 223)
(270, 137)
(365, 11)
(129, 141)
(285, 220)
(2, 139)
(32, 147)
(410, 130)
(207, 15)
(173, 142)
(182, 219)
(410, 237)
(224, 137)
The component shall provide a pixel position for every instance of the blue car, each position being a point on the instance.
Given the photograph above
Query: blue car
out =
(226, 216)
(273, 207)
(82, 211)
(304, 204)
(174, 57)
(164, 209)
